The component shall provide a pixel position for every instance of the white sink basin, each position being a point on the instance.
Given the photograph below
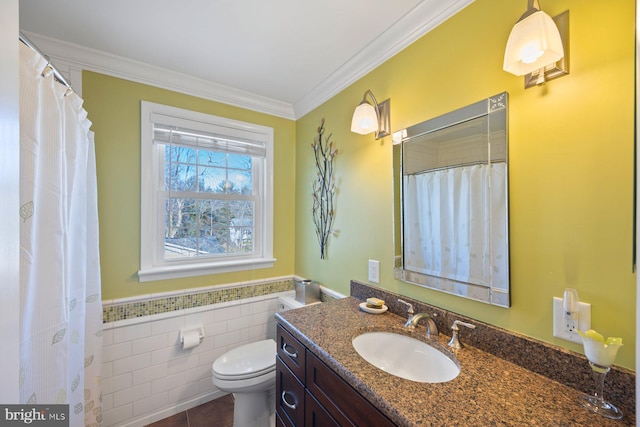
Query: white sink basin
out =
(405, 357)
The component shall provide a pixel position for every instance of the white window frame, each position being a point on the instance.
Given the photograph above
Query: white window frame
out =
(152, 263)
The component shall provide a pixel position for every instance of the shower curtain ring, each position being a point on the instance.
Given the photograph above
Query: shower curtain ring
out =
(48, 69)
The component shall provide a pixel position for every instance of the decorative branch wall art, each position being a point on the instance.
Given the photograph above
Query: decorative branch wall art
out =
(324, 189)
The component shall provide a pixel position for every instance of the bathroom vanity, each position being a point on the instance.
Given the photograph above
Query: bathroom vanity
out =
(322, 381)
(310, 393)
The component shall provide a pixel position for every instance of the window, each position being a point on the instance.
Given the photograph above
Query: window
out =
(206, 194)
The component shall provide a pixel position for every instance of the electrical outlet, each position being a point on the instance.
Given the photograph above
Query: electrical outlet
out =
(564, 327)
(374, 271)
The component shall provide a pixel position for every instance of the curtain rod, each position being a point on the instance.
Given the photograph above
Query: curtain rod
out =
(58, 75)
(459, 165)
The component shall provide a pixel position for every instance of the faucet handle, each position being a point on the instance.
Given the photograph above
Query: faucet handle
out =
(409, 312)
(454, 342)
(409, 307)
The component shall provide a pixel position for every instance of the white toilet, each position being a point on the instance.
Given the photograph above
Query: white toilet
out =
(249, 372)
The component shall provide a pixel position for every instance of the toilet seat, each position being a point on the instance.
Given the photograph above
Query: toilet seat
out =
(247, 361)
(253, 384)
(243, 376)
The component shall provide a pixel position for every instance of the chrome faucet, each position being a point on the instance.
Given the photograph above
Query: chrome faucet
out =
(413, 319)
(432, 329)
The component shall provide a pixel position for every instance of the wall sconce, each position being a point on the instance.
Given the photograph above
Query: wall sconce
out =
(368, 118)
(538, 46)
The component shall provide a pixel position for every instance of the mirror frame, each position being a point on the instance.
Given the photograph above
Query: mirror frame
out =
(496, 110)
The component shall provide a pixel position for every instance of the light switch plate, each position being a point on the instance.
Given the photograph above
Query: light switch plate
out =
(559, 323)
(374, 271)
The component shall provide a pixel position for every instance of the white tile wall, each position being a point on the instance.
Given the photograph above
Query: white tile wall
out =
(147, 376)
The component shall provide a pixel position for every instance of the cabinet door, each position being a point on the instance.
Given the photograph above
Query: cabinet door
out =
(289, 396)
(292, 352)
(341, 400)
(315, 415)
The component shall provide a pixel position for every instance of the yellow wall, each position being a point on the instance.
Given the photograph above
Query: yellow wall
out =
(571, 169)
(571, 166)
(114, 107)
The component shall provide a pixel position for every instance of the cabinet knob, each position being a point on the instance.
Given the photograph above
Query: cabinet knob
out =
(293, 405)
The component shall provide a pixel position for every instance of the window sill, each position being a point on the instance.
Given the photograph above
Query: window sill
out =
(189, 270)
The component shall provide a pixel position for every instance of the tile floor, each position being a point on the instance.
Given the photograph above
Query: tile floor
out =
(217, 413)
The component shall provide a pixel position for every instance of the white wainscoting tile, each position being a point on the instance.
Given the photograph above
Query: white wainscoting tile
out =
(147, 375)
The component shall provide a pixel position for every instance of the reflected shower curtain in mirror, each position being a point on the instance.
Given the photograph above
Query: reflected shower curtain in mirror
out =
(61, 308)
(448, 221)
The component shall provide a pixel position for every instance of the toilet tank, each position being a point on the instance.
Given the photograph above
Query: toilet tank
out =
(288, 303)
(284, 303)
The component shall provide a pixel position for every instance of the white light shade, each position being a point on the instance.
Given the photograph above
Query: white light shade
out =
(365, 119)
(533, 44)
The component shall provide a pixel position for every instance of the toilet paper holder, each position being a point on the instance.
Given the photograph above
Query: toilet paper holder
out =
(190, 330)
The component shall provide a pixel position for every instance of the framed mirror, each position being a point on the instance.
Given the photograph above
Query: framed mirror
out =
(451, 202)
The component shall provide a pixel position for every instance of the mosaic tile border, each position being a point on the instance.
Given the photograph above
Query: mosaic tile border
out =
(131, 310)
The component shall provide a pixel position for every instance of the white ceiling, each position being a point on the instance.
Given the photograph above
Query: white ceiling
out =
(291, 53)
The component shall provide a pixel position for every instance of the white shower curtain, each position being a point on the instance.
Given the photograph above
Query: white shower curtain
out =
(61, 308)
(449, 228)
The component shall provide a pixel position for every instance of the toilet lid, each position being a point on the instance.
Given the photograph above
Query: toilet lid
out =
(248, 360)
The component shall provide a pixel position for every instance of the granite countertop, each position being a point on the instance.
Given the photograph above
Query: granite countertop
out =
(488, 391)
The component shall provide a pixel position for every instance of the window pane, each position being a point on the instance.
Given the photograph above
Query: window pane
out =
(213, 180)
(180, 231)
(212, 158)
(180, 169)
(220, 228)
(241, 182)
(211, 240)
(239, 161)
(242, 210)
(241, 227)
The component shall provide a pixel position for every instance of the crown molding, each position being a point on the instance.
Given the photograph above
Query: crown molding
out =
(426, 16)
(76, 56)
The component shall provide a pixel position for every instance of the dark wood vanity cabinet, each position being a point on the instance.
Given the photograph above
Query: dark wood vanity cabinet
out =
(309, 393)
(316, 415)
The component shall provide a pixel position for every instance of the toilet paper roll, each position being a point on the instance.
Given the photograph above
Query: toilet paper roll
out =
(190, 339)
